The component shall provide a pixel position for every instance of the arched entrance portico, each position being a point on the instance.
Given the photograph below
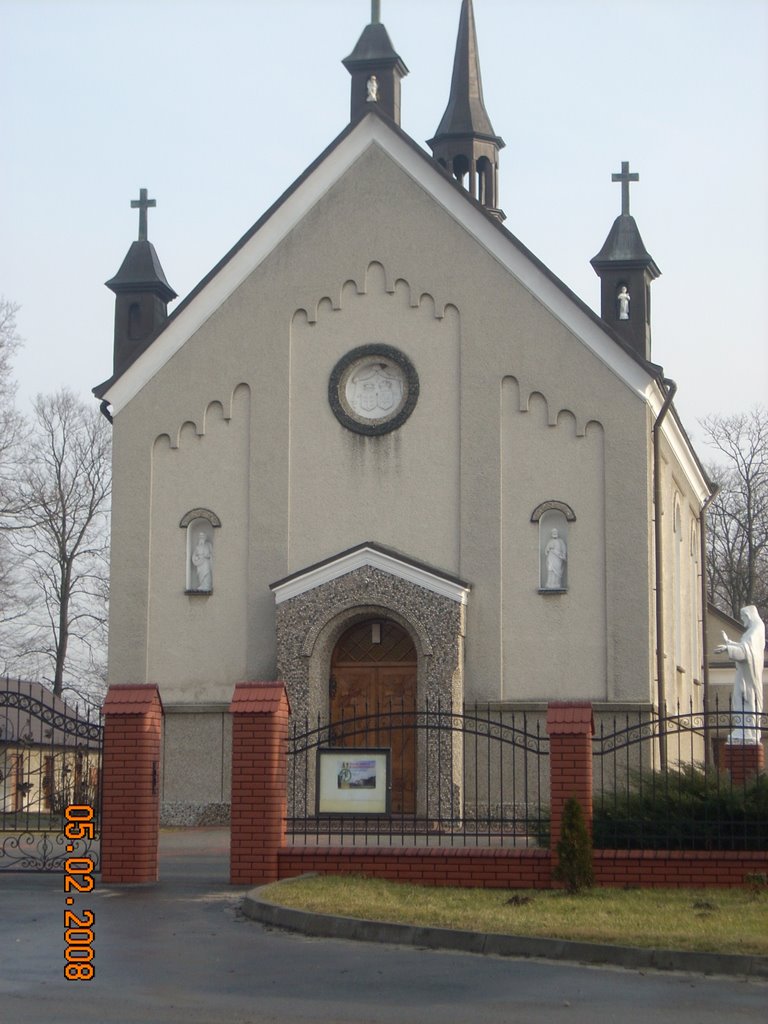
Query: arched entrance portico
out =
(372, 699)
(317, 607)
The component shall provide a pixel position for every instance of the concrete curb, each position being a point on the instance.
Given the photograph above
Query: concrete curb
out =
(330, 926)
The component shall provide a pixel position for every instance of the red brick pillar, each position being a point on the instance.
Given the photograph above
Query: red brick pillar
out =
(743, 761)
(259, 780)
(130, 808)
(570, 728)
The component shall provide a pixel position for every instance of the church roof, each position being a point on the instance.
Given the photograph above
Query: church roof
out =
(466, 113)
(141, 271)
(373, 47)
(624, 245)
(373, 128)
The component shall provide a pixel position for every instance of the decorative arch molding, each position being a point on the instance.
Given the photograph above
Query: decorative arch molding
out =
(215, 411)
(553, 506)
(199, 513)
(528, 396)
(163, 441)
(376, 279)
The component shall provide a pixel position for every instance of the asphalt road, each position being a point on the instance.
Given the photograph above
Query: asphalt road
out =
(181, 952)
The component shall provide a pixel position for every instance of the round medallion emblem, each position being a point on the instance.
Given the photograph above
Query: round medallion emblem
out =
(373, 389)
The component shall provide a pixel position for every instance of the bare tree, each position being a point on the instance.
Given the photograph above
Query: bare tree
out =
(13, 598)
(737, 557)
(59, 527)
(11, 422)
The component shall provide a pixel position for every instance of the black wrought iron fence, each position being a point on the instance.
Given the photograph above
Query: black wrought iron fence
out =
(686, 800)
(478, 777)
(50, 759)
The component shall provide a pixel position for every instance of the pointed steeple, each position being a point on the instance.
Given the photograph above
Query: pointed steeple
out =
(143, 294)
(376, 70)
(626, 269)
(465, 142)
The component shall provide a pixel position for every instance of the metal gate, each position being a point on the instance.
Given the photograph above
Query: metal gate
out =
(50, 760)
(481, 777)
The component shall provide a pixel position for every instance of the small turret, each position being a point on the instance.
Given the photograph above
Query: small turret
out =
(626, 269)
(376, 70)
(143, 294)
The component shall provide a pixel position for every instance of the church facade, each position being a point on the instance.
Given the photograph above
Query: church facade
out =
(381, 452)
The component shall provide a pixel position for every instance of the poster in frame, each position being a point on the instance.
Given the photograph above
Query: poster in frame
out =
(353, 781)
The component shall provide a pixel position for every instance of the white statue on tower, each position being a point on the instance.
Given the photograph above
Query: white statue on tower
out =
(623, 300)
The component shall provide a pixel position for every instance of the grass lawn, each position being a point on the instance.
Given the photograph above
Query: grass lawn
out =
(712, 920)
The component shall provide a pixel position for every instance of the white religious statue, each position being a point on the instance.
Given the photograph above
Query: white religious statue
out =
(372, 89)
(555, 555)
(623, 300)
(202, 561)
(748, 654)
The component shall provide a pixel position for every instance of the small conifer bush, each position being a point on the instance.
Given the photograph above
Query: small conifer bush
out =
(574, 850)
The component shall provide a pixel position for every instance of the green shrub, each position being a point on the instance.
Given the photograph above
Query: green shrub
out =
(574, 849)
(684, 809)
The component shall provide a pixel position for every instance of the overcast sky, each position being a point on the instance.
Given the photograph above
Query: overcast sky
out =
(216, 106)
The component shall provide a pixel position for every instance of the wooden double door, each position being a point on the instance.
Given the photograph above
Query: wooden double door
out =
(372, 699)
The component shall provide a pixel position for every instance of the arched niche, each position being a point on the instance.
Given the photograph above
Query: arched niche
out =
(199, 524)
(553, 519)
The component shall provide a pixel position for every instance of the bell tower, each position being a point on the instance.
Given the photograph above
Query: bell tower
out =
(465, 142)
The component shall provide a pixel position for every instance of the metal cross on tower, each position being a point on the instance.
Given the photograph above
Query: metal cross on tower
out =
(375, 12)
(142, 204)
(625, 177)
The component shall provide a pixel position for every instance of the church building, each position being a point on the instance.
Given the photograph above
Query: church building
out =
(382, 453)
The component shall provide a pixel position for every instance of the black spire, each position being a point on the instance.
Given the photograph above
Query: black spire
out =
(465, 142)
(143, 294)
(376, 70)
(626, 269)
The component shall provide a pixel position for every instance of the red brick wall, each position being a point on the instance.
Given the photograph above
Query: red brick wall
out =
(465, 867)
(130, 813)
(259, 854)
(260, 714)
(675, 869)
(570, 728)
(743, 762)
(522, 869)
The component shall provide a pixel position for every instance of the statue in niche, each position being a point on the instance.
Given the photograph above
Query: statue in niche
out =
(202, 562)
(623, 302)
(555, 555)
(372, 90)
(748, 653)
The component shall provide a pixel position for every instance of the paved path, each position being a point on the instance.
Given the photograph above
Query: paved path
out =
(181, 953)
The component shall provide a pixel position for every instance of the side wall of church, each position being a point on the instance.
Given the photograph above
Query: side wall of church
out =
(681, 572)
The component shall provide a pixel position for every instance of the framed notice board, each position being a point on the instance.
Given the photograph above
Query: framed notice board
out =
(353, 781)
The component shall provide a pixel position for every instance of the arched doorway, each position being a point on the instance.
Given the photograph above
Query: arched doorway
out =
(372, 699)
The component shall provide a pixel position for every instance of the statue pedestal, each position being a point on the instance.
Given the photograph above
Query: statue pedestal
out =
(743, 761)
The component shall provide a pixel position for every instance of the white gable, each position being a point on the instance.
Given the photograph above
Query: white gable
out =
(359, 558)
(373, 131)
